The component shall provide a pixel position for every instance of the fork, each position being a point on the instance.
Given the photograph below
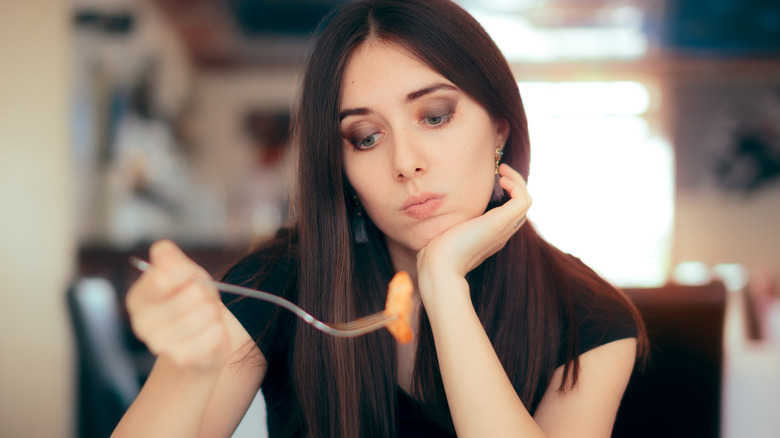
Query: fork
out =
(357, 327)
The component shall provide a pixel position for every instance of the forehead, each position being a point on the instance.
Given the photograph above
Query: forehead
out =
(381, 69)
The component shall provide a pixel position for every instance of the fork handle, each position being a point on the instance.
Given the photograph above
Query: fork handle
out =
(143, 266)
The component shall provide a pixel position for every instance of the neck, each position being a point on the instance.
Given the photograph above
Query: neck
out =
(404, 259)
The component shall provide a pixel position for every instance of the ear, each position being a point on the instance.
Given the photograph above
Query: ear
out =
(502, 131)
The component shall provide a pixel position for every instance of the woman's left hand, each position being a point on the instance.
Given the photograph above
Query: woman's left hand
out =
(464, 246)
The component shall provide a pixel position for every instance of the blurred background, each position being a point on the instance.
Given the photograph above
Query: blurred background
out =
(655, 128)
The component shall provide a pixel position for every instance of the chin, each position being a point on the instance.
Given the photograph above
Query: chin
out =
(420, 243)
(429, 230)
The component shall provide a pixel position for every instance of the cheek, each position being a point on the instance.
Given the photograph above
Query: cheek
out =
(476, 158)
(478, 144)
(354, 172)
(363, 180)
(476, 170)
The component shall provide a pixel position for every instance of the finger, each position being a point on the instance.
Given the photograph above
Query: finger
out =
(167, 255)
(508, 171)
(202, 348)
(513, 182)
(515, 209)
(147, 317)
(520, 200)
(158, 284)
(164, 251)
(190, 295)
(185, 326)
(170, 269)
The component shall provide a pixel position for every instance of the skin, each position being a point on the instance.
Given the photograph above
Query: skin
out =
(411, 151)
(198, 387)
(442, 142)
(194, 389)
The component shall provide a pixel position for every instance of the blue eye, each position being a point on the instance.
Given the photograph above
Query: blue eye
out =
(438, 120)
(366, 142)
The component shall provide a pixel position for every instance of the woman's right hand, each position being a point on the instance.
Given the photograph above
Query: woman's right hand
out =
(176, 316)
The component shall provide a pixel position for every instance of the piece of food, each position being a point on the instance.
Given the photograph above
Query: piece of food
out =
(399, 302)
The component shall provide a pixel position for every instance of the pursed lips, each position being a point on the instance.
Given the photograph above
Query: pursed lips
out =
(421, 206)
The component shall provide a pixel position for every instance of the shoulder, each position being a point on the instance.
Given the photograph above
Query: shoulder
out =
(271, 268)
(603, 317)
(599, 314)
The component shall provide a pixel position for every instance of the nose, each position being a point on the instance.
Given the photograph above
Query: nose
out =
(408, 157)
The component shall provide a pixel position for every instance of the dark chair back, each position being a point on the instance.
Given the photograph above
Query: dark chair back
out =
(679, 392)
(107, 375)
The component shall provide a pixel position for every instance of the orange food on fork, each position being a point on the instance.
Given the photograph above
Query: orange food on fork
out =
(399, 302)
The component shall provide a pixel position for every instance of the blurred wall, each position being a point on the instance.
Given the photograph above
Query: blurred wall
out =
(225, 154)
(37, 242)
(714, 227)
(720, 216)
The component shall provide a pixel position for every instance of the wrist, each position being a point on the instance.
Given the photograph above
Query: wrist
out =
(435, 269)
(440, 288)
(187, 375)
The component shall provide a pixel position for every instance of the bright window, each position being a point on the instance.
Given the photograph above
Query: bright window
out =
(601, 181)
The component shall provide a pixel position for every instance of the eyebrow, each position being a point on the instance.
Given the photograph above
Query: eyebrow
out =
(414, 95)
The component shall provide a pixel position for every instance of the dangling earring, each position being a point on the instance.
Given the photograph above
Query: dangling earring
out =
(499, 154)
(498, 191)
(358, 222)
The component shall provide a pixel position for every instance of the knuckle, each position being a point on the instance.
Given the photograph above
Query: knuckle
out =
(159, 280)
(140, 324)
(153, 349)
(138, 292)
(192, 296)
(208, 312)
(213, 337)
(152, 343)
(144, 331)
(188, 293)
(155, 346)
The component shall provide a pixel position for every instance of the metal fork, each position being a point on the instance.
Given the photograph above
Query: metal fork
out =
(357, 327)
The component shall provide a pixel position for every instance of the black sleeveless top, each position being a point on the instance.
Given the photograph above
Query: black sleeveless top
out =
(599, 324)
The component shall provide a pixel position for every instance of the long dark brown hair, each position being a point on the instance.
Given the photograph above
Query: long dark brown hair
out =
(524, 294)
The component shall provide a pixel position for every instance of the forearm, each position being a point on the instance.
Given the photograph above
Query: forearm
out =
(170, 404)
(481, 397)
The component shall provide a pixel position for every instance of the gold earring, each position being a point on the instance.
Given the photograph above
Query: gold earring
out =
(499, 154)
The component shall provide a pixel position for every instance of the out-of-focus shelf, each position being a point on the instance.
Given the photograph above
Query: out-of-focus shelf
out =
(653, 66)
(113, 263)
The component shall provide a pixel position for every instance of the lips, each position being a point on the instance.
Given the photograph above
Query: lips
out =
(421, 206)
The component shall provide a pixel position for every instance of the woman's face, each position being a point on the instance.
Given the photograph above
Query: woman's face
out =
(418, 151)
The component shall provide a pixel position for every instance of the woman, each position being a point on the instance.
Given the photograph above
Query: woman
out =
(407, 112)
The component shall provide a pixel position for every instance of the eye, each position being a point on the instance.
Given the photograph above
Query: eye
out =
(437, 121)
(366, 142)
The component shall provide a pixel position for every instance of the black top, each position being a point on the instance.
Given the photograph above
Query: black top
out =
(600, 322)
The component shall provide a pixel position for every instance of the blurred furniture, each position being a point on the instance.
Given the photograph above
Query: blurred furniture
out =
(112, 362)
(679, 392)
(751, 374)
(113, 264)
(107, 373)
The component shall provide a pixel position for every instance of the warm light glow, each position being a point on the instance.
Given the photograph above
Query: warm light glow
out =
(585, 99)
(520, 40)
(602, 183)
